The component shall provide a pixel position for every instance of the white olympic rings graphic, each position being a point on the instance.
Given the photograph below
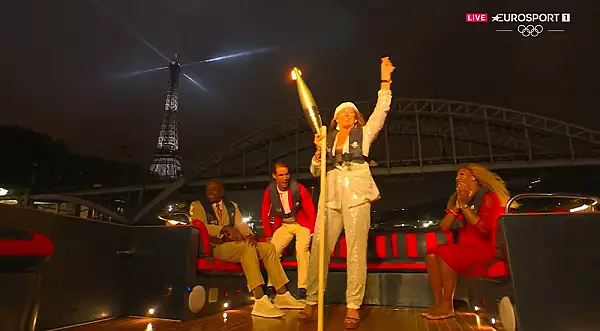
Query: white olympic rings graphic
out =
(530, 30)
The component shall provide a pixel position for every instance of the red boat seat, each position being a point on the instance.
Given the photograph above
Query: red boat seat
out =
(22, 254)
(497, 269)
(21, 250)
(23, 243)
(399, 251)
(394, 251)
(206, 261)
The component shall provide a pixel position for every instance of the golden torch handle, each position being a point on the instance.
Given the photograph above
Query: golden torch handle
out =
(322, 236)
(316, 124)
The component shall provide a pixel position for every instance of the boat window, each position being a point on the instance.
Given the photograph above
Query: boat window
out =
(77, 209)
(51, 207)
(66, 208)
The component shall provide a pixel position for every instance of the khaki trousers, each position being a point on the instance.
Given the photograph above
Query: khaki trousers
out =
(249, 258)
(282, 238)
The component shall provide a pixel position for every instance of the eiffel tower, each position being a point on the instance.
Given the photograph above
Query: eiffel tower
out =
(166, 164)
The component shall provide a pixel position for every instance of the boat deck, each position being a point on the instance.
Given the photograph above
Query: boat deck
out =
(373, 318)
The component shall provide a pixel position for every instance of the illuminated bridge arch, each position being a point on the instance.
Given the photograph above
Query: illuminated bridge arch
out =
(421, 135)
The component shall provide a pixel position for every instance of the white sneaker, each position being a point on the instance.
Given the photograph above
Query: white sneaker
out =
(263, 307)
(287, 301)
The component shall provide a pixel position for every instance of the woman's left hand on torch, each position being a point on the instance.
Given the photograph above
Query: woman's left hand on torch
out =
(317, 141)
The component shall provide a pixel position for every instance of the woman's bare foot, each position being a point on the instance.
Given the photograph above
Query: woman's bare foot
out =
(440, 312)
(352, 318)
(308, 314)
(429, 310)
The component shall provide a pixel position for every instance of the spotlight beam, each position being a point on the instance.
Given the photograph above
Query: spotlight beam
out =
(129, 29)
(230, 56)
(214, 59)
(135, 73)
(194, 82)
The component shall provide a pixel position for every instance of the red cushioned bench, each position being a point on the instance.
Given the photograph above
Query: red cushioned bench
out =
(206, 262)
(22, 250)
(393, 251)
(21, 255)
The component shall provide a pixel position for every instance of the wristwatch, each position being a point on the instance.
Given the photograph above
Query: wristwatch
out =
(465, 207)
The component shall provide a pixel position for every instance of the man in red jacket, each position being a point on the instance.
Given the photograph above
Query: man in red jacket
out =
(291, 207)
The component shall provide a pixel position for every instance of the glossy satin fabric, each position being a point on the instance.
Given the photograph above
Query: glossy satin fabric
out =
(350, 191)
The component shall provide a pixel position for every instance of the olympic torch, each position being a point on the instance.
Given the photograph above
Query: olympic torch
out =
(313, 118)
(309, 106)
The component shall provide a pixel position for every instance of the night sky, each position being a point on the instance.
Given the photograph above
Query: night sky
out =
(61, 61)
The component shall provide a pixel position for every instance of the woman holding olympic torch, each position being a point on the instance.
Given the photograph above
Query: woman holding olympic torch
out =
(349, 193)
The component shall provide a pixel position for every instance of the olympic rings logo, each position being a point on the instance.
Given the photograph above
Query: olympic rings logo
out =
(530, 30)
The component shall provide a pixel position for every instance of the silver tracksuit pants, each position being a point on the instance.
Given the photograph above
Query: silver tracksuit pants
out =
(356, 222)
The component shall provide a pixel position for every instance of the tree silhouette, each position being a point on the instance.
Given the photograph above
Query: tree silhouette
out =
(31, 156)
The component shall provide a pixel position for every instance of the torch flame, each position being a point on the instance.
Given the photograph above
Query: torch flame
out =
(294, 76)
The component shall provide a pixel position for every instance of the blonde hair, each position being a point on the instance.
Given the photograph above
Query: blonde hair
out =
(485, 178)
(360, 120)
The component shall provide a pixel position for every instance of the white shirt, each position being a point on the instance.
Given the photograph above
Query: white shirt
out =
(285, 200)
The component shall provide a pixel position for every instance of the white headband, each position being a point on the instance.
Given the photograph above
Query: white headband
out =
(343, 106)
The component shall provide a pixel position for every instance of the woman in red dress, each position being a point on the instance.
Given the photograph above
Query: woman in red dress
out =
(474, 209)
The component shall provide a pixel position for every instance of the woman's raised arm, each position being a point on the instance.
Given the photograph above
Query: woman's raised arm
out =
(384, 99)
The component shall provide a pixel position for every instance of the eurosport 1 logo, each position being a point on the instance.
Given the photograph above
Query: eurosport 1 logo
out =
(532, 17)
(529, 24)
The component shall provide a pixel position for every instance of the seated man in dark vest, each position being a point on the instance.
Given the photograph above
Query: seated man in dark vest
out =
(291, 207)
(234, 241)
